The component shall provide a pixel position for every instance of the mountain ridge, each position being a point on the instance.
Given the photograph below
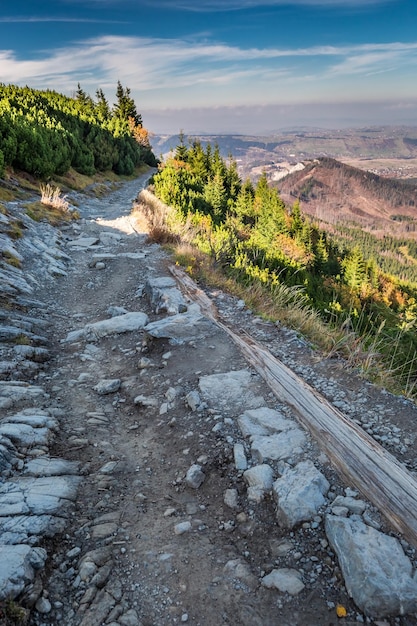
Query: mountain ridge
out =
(331, 191)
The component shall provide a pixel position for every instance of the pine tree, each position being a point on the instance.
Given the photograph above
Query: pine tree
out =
(84, 100)
(354, 270)
(181, 151)
(215, 195)
(102, 108)
(296, 218)
(125, 107)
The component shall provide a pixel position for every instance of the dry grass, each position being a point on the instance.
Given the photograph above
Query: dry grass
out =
(43, 213)
(11, 259)
(51, 196)
(6, 195)
(155, 218)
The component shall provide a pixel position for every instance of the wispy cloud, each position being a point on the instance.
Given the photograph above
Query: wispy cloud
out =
(19, 19)
(208, 70)
(235, 5)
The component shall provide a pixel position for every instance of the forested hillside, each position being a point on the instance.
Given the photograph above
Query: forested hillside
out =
(259, 240)
(45, 133)
(334, 192)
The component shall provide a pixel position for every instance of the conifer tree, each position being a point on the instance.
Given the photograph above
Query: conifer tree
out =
(181, 151)
(354, 271)
(125, 106)
(102, 108)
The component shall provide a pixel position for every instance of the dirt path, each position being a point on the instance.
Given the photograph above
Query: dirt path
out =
(146, 545)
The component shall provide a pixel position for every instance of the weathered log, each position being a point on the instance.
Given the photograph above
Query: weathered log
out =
(376, 473)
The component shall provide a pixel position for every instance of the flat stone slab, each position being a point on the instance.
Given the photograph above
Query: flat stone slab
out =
(133, 256)
(20, 528)
(128, 322)
(18, 565)
(378, 575)
(84, 242)
(37, 496)
(24, 435)
(182, 327)
(37, 418)
(15, 392)
(33, 353)
(230, 390)
(263, 421)
(45, 466)
(299, 493)
(277, 447)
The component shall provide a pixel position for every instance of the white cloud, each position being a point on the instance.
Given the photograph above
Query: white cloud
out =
(197, 71)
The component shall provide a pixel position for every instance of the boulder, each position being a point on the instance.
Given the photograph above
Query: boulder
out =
(299, 493)
(378, 575)
(18, 565)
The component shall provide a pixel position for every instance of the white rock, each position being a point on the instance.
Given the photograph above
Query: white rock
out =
(105, 387)
(279, 446)
(182, 527)
(18, 564)
(377, 573)
(285, 580)
(193, 400)
(259, 479)
(83, 242)
(240, 570)
(43, 606)
(299, 493)
(357, 507)
(135, 320)
(231, 498)
(181, 327)
(263, 421)
(239, 456)
(195, 476)
(146, 401)
(230, 389)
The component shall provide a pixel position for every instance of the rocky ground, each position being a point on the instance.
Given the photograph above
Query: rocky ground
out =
(149, 475)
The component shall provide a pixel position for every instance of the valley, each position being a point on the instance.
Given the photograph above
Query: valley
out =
(386, 151)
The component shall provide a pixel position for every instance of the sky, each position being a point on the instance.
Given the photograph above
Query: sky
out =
(223, 66)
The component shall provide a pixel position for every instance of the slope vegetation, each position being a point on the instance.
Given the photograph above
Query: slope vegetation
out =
(333, 192)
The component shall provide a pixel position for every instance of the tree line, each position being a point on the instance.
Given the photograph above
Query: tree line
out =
(46, 133)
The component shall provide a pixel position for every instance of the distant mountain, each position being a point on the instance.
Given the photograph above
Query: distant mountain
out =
(391, 151)
(334, 192)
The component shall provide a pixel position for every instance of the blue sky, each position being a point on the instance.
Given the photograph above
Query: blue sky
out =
(247, 66)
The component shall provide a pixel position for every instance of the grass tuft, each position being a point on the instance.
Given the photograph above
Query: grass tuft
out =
(51, 196)
(11, 259)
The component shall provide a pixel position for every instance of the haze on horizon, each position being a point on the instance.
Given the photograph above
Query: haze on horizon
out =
(223, 66)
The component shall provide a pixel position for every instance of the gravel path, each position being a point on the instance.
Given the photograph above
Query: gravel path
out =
(183, 456)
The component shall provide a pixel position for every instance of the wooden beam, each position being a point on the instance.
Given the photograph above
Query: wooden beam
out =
(377, 474)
